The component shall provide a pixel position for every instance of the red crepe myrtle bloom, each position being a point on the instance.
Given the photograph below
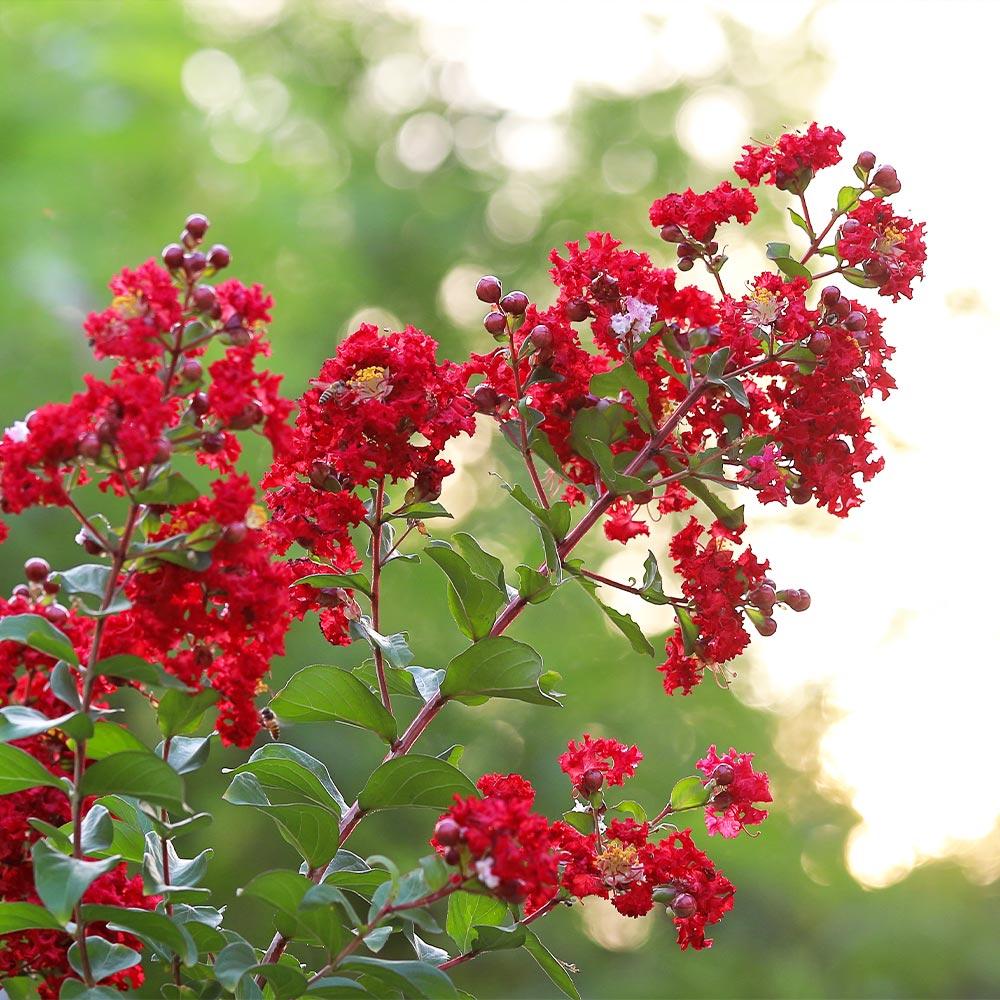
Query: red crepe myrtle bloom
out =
(763, 474)
(613, 760)
(698, 215)
(890, 248)
(792, 158)
(739, 787)
(625, 867)
(499, 842)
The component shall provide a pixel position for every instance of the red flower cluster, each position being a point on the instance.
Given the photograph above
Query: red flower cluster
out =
(792, 160)
(738, 786)
(498, 841)
(889, 248)
(717, 584)
(24, 675)
(220, 623)
(595, 762)
(627, 868)
(698, 215)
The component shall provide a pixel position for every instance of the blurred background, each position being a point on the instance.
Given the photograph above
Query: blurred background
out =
(370, 160)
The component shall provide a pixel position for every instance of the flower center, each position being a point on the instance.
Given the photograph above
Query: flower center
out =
(887, 245)
(619, 863)
(127, 306)
(763, 307)
(371, 382)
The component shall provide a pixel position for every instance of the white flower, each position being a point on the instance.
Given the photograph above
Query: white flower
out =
(484, 869)
(635, 322)
(18, 431)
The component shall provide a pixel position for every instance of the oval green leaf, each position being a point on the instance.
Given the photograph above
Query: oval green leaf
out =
(496, 667)
(138, 773)
(19, 770)
(414, 780)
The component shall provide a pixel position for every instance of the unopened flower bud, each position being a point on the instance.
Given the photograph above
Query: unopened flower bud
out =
(671, 234)
(830, 295)
(591, 781)
(800, 494)
(196, 225)
(212, 443)
(722, 800)
(452, 856)
(541, 337)
(162, 451)
(724, 774)
(219, 257)
(486, 399)
(684, 905)
(235, 533)
(56, 613)
(866, 160)
(604, 287)
(199, 403)
(886, 180)
(577, 310)
(514, 303)
(447, 832)
(21, 590)
(89, 446)
(685, 264)
(173, 256)
(800, 602)
(685, 250)
(495, 323)
(819, 343)
(204, 298)
(191, 370)
(194, 264)
(51, 587)
(488, 289)
(36, 569)
(855, 321)
(251, 414)
(766, 626)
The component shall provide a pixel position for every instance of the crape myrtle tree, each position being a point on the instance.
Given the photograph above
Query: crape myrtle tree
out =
(632, 395)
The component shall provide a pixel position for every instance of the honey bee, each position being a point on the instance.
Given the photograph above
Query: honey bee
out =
(269, 721)
(331, 390)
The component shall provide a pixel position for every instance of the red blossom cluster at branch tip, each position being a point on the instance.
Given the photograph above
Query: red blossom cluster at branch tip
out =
(738, 786)
(792, 159)
(595, 762)
(698, 215)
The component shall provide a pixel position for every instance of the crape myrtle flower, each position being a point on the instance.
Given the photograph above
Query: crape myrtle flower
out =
(738, 787)
(698, 215)
(792, 159)
(889, 248)
(597, 762)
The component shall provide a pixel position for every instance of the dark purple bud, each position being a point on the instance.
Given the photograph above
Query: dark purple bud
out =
(447, 832)
(671, 234)
(855, 321)
(173, 256)
(191, 370)
(514, 303)
(495, 323)
(196, 225)
(684, 905)
(866, 160)
(489, 289)
(591, 781)
(724, 774)
(203, 298)
(36, 569)
(219, 257)
(830, 295)
(577, 310)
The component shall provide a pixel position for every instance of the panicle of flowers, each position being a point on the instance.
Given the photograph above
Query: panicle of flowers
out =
(596, 762)
(792, 160)
(737, 787)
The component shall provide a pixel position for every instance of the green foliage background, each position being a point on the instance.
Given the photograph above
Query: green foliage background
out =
(103, 155)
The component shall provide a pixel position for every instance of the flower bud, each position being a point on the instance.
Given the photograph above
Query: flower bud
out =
(722, 800)
(798, 600)
(885, 179)
(819, 343)
(51, 587)
(514, 303)
(196, 225)
(173, 256)
(685, 264)
(199, 403)
(671, 234)
(577, 310)
(212, 443)
(203, 298)
(447, 832)
(89, 446)
(235, 533)
(162, 451)
(219, 257)
(452, 856)
(855, 321)
(191, 370)
(541, 337)
(36, 569)
(495, 323)
(488, 289)
(194, 264)
(485, 398)
(866, 160)
(21, 590)
(56, 613)
(766, 626)
(684, 905)
(604, 287)
(591, 781)
(800, 494)
(830, 295)
(724, 774)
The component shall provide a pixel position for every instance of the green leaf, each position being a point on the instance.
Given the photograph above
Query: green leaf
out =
(73, 989)
(350, 581)
(858, 277)
(97, 831)
(414, 980)
(414, 780)
(135, 668)
(186, 754)
(19, 770)
(233, 962)
(310, 829)
(689, 793)
(652, 582)
(394, 647)
(481, 562)
(793, 269)
(170, 490)
(489, 938)
(555, 518)
(327, 694)
(181, 873)
(105, 958)
(132, 772)
(551, 966)
(847, 198)
(737, 391)
(38, 633)
(285, 982)
(777, 250)
(801, 223)
(631, 808)
(62, 683)
(92, 580)
(21, 988)
(540, 373)
(61, 881)
(419, 512)
(296, 775)
(182, 713)
(532, 586)
(26, 916)
(624, 623)
(110, 738)
(473, 600)
(465, 909)
(18, 722)
(689, 631)
(611, 383)
(280, 888)
(497, 667)
(156, 929)
(336, 988)
(730, 517)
